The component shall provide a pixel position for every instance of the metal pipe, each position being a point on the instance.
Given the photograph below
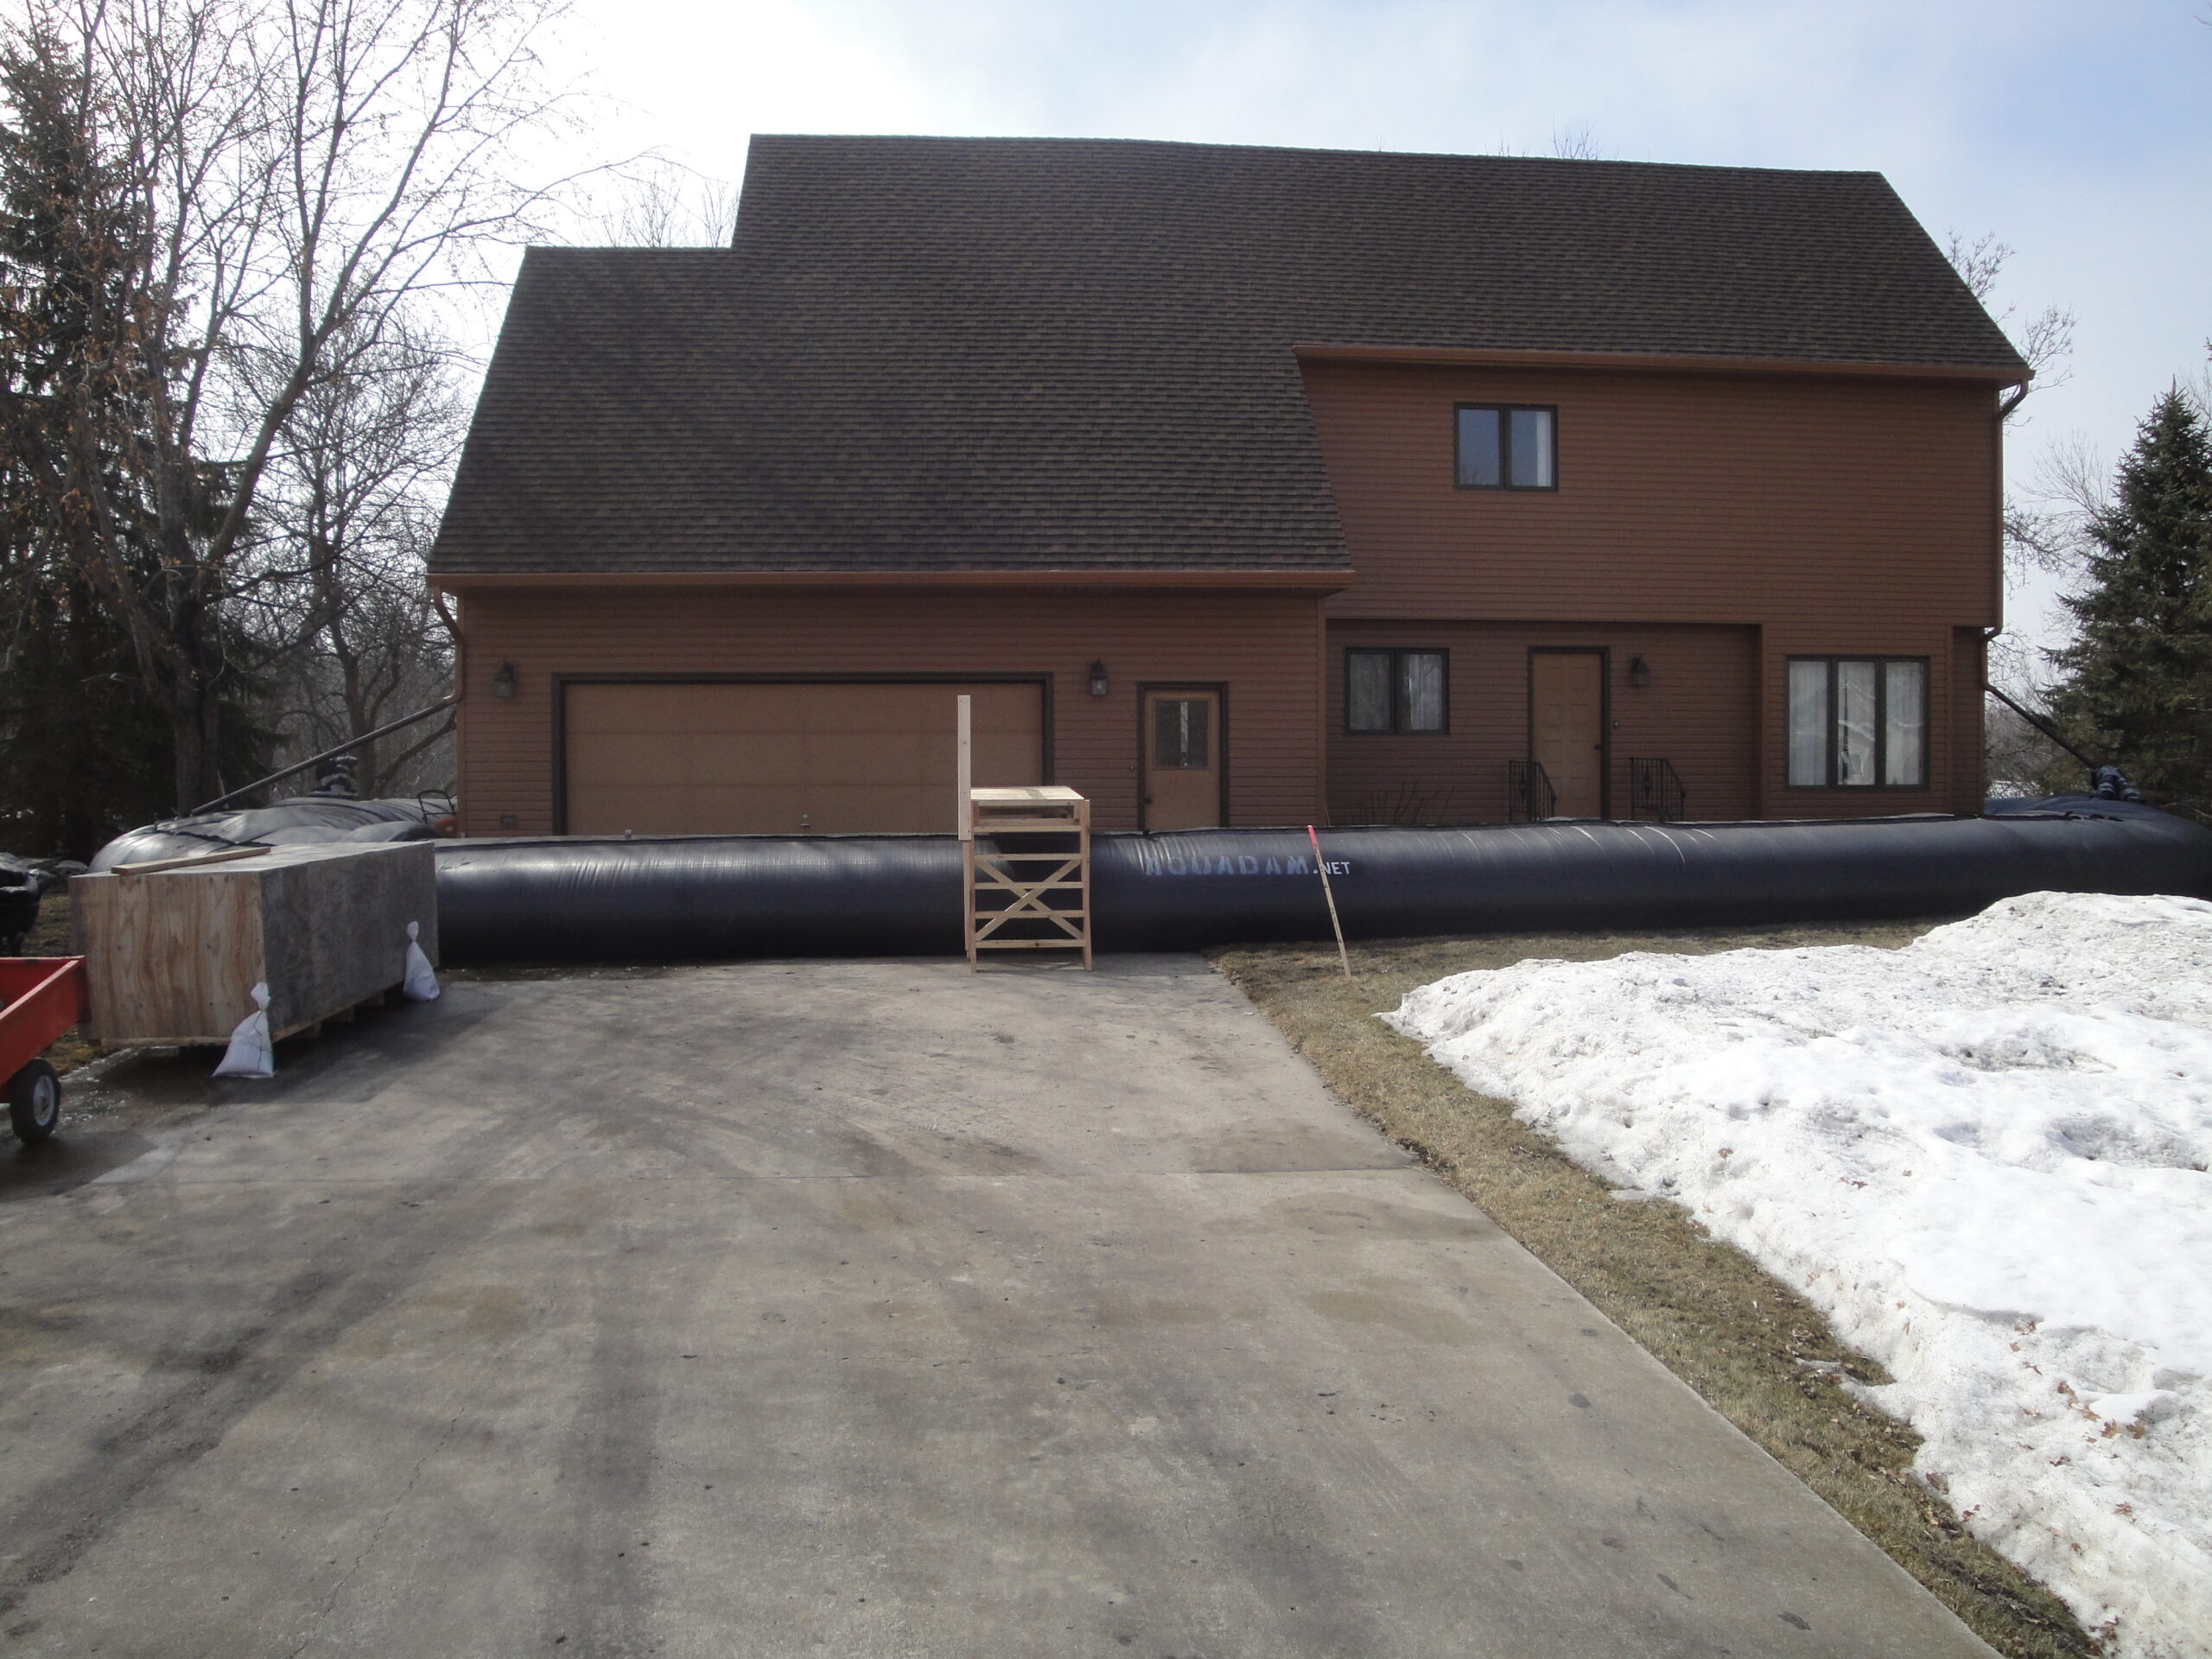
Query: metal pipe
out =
(2041, 725)
(350, 744)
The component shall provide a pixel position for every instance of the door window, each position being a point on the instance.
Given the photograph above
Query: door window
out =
(1178, 734)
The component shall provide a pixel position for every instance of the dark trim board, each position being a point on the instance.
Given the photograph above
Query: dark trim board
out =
(1146, 688)
(562, 682)
(1605, 656)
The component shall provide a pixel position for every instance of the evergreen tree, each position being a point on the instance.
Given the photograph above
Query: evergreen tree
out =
(2140, 674)
(84, 746)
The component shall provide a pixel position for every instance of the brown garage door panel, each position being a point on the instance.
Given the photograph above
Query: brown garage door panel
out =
(733, 758)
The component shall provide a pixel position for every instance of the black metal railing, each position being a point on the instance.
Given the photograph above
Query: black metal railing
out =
(1529, 796)
(1655, 789)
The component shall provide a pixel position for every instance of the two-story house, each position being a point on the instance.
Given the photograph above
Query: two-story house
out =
(1238, 486)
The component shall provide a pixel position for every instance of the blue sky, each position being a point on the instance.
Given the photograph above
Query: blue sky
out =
(2082, 135)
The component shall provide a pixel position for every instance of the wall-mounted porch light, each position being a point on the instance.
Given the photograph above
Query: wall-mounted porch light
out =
(503, 681)
(1639, 673)
(1098, 679)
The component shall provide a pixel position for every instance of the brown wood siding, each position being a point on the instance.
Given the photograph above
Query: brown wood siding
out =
(1818, 517)
(1698, 712)
(1261, 645)
(1679, 499)
(1955, 746)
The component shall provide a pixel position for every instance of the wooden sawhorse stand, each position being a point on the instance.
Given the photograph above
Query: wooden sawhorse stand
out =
(1023, 900)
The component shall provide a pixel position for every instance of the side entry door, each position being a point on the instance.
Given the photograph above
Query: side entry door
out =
(1567, 727)
(1180, 742)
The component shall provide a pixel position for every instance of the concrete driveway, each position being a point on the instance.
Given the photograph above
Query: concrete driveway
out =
(866, 1308)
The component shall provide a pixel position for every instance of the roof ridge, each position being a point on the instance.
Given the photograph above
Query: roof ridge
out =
(1192, 144)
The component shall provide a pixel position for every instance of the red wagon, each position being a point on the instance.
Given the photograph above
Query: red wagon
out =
(41, 997)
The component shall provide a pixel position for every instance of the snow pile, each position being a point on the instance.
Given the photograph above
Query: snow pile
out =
(1984, 1156)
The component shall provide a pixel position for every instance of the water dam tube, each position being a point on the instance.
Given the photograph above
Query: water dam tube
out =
(718, 898)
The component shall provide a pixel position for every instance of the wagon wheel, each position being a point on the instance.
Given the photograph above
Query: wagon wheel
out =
(33, 1102)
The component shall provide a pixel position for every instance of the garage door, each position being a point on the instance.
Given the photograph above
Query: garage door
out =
(783, 760)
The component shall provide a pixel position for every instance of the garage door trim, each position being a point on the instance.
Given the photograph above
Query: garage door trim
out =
(562, 682)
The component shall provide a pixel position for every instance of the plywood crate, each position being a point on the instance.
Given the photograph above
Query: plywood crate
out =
(173, 956)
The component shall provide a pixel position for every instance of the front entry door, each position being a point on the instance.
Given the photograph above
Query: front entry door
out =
(1181, 760)
(1567, 727)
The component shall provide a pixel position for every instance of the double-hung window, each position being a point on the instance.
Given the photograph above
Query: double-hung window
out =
(1395, 691)
(1859, 722)
(1507, 447)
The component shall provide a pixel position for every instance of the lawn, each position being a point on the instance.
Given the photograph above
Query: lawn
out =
(1756, 1350)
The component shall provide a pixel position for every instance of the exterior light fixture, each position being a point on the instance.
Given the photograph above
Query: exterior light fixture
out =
(1098, 679)
(503, 682)
(1639, 672)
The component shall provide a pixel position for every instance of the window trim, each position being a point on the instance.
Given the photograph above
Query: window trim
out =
(1881, 722)
(1505, 411)
(1397, 727)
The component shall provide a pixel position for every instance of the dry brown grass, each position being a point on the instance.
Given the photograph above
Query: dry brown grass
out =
(1760, 1355)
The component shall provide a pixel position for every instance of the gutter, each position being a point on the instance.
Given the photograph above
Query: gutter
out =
(1669, 363)
(1311, 582)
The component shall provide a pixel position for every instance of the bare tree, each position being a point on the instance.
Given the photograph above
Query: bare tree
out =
(2022, 760)
(654, 202)
(295, 170)
(2041, 533)
(2045, 339)
(352, 497)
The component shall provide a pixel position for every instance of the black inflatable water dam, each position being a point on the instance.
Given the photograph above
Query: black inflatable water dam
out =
(708, 897)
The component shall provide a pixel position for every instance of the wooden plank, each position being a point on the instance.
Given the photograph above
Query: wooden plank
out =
(964, 761)
(1026, 795)
(168, 958)
(190, 862)
(968, 895)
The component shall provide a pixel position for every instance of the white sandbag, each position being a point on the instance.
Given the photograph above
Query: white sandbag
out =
(251, 1053)
(421, 982)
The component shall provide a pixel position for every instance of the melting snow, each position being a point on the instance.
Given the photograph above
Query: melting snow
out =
(1984, 1156)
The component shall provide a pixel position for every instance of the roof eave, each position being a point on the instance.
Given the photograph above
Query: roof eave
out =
(1299, 581)
(1990, 374)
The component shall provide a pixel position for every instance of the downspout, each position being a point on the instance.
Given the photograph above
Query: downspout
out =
(459, 648)
(460, 696)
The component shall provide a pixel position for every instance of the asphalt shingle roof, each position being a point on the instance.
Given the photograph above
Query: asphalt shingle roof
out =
(937, 354)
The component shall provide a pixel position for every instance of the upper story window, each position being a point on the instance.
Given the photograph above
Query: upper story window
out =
(1507, 447)
(1859, 722)
(1395, 690)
